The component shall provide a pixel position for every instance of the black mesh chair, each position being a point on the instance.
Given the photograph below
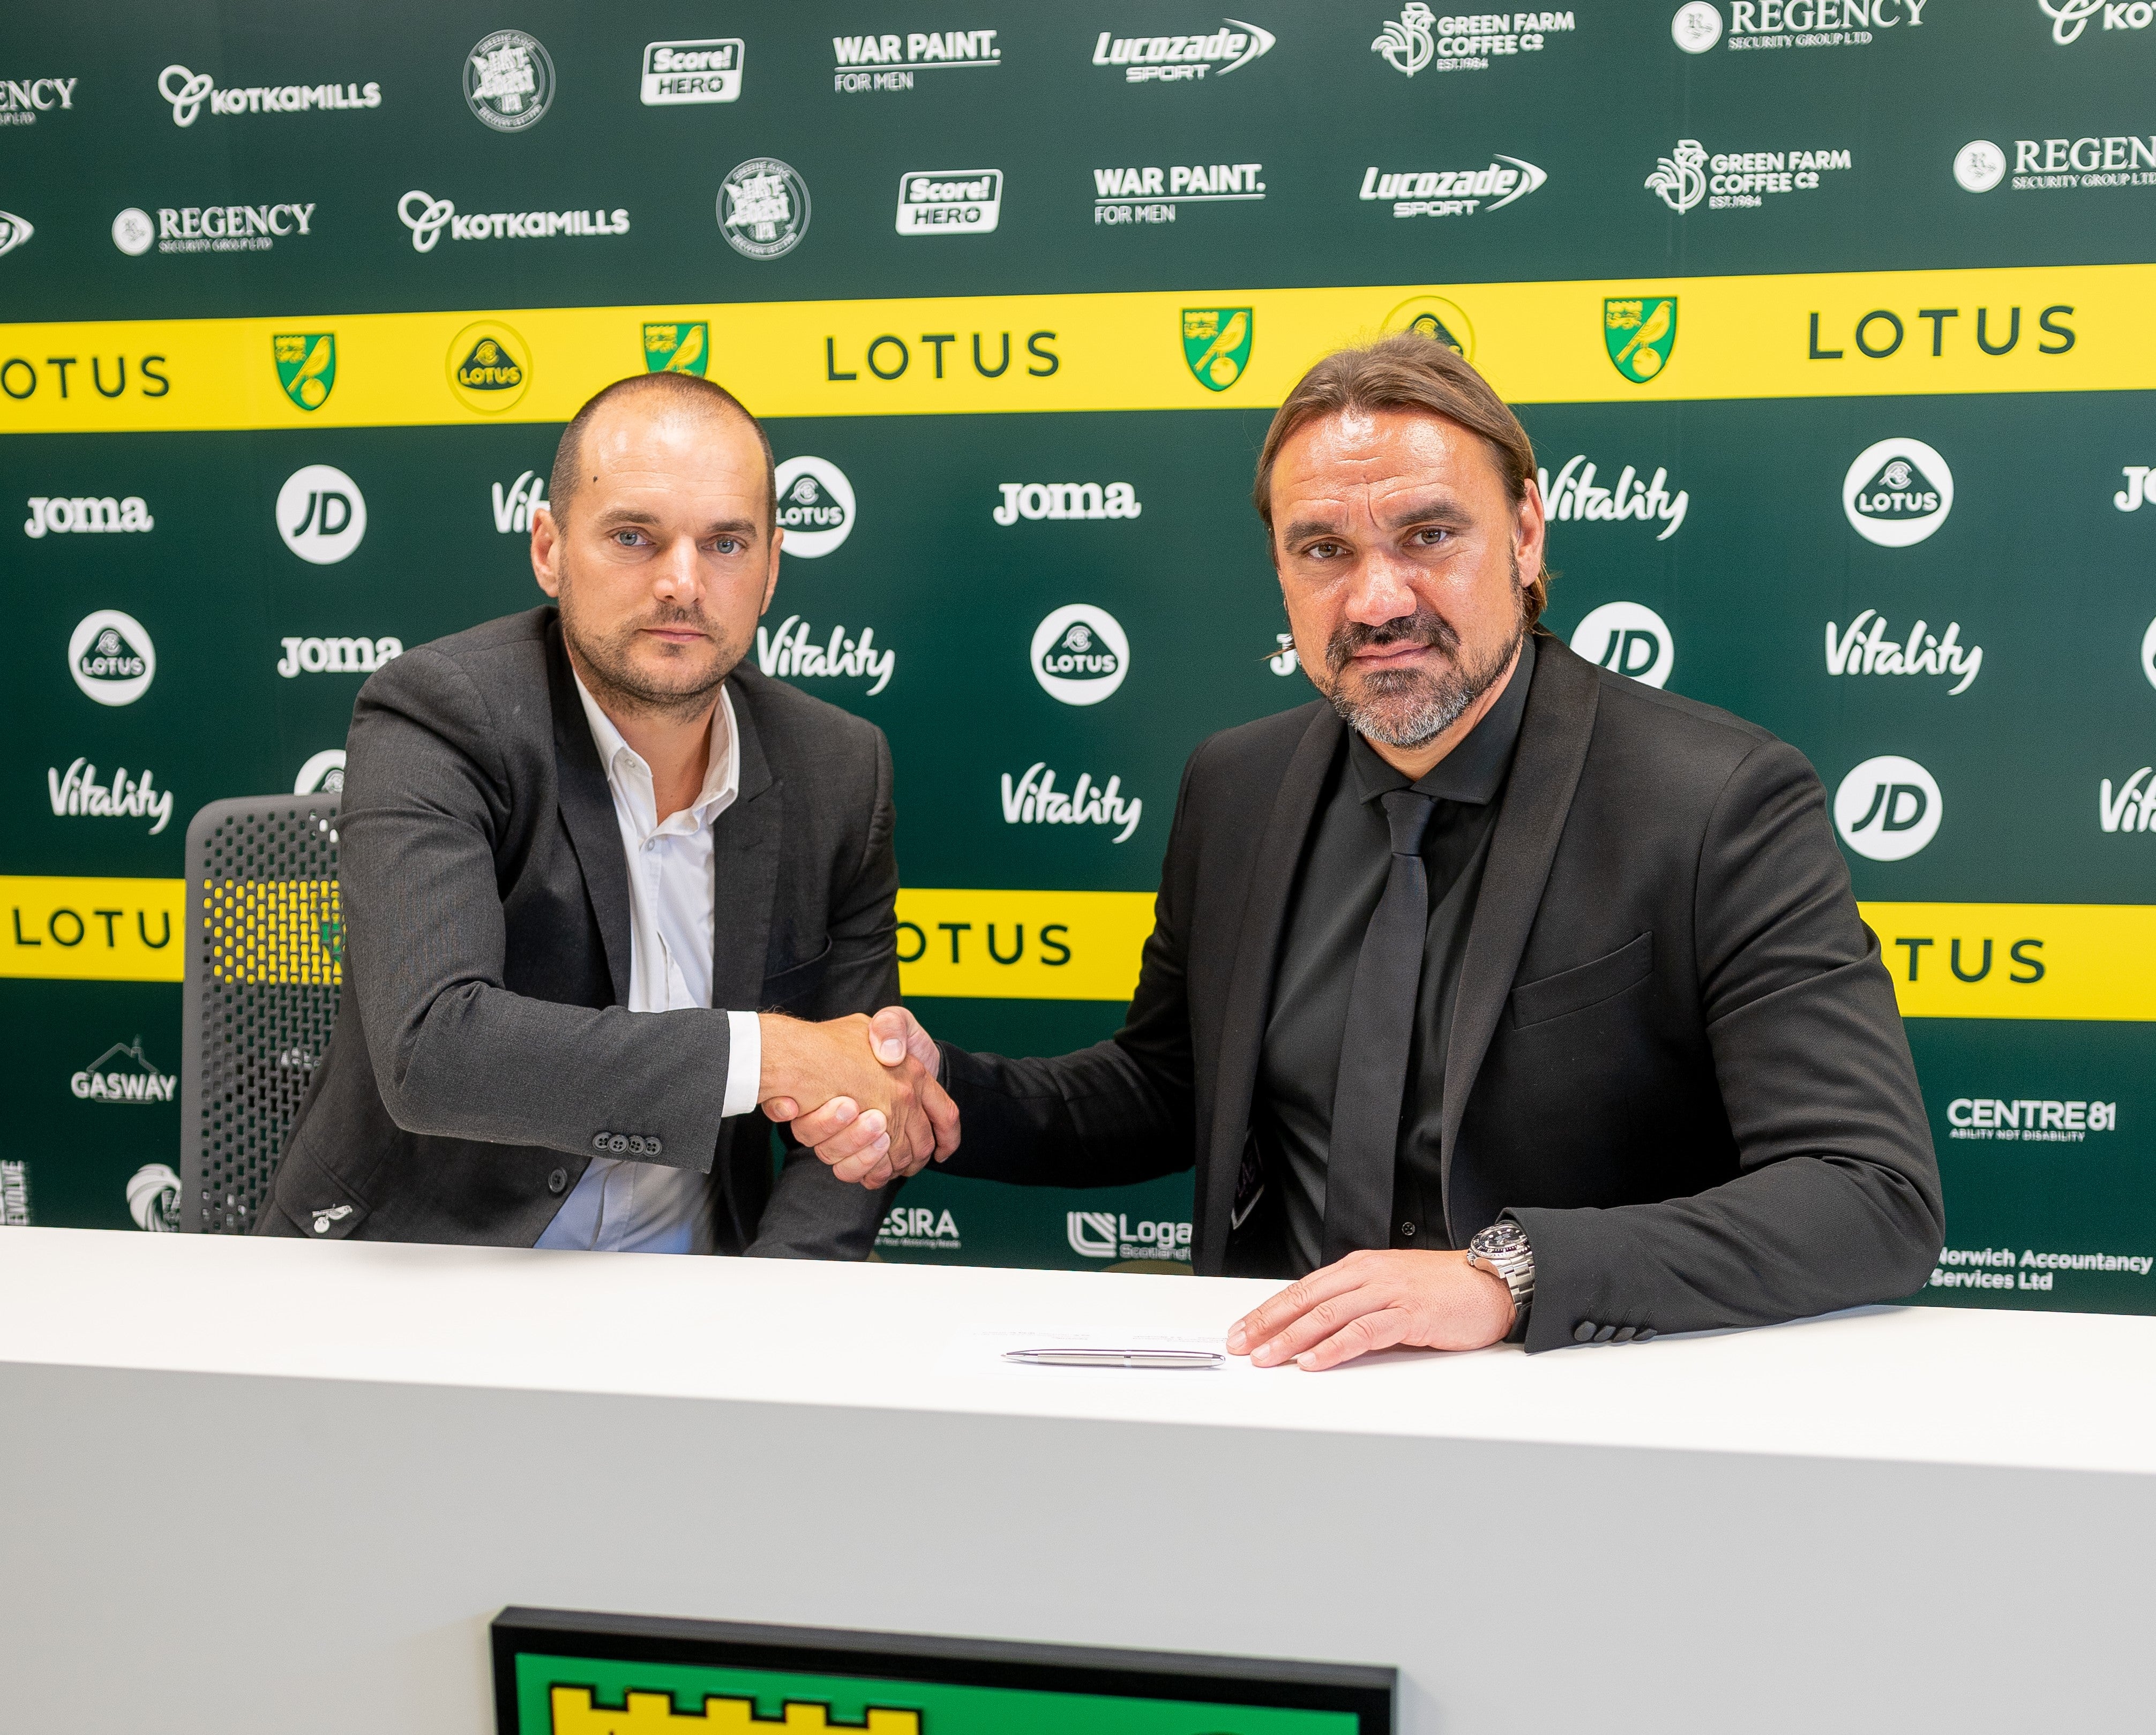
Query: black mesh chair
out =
(264, 968)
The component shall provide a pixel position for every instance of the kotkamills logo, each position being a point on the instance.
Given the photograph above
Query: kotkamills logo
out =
(1453, 192)
(85, 515)
(763, 208)
(1737, 180)
(1897, 492)
(1033, 799)
(124, 1075)
(1079, 655)
(1065, 500)
(791, 654)
(1150, 193)
(950, 201)
(111, 658)
(213, 228)
(1178, 59)
(1887, 808)
(1419, 38)
(815, 506)
(336, 656)
(22, 101)
(704, 70)
(1860, 651)
(1575, 496)
(509, 80)
(427, 217)
(2070, 17)
(1627, 638)
(76, 795)
(889, 62)
(188, 92)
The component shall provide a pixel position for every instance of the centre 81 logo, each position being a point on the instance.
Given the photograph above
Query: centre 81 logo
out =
(763, 208)
(509, 80)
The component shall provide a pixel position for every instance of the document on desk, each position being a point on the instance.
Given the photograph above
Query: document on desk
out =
(1181, 1358)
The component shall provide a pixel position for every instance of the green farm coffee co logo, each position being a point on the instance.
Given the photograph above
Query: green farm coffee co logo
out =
(1216, 344)
(306, 365)
(677, 347)
(1640, 333)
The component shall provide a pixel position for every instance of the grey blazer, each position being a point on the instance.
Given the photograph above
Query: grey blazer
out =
(481, 1054)
(1674, 1057)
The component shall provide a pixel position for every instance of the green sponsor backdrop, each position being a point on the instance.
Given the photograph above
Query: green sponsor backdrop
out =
(2034, 564)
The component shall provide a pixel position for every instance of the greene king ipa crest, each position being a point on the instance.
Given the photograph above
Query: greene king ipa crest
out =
(676, 346)
(490, 367)
(1640, 333)
(1216, 344)
(306, 365)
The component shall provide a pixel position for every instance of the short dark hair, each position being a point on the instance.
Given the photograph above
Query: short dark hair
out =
(1410, 372)
(683, 390)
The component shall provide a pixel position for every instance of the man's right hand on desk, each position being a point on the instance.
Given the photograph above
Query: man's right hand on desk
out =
(863, 1095)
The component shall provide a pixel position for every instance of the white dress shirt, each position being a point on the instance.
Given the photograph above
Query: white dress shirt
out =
(622, 1206)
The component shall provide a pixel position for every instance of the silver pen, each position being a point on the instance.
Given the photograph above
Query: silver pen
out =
(1116, 1357)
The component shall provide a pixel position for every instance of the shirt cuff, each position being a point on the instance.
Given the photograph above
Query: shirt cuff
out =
(744, 1062)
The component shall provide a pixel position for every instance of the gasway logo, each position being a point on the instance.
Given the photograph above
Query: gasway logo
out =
(1065, 500)
(123, 1074)
(78, 795)
(427, 217)
(22, 101)
(921, 1229)
(1574, 497)
(1453, 192)
(188, 92)
(226, 229)
(1737, 180)
(336, 656)
(1111, 1234)
(80, 515)
(791, 654)
(897, 55)
(950, 201)
(2029, 1119)
(708, 70)
(1175, 59)
(1860, 651)
(2132, 809)
(513, 510)
(1419, 38)
(1034, 800)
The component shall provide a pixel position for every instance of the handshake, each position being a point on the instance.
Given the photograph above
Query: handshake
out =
(860, 1092)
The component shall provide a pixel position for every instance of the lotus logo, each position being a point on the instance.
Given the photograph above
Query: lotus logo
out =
(1079, 655)
(1897, 492)
(111, 657)
(815, 506)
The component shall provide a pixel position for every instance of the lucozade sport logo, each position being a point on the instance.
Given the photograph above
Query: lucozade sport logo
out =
(14, 231)
(1887, 808)
(1897, 492)
(1079, 655)
(1453, 192)
(111, 657)
(1177, 60)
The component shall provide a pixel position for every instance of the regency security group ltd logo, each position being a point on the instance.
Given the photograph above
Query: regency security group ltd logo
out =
(1184, 59)
(1757, 25)
(210, 229)
(950, 201)
(1627, 638)
(508, 81)
(816, 507)
(889, 61)
(22, 101)
(189, 92)
(1897, 492)
(702, 70)
(1418, 38)
(2090, 163)
(1739, 180)
(1888, 808)
(1079, 653)
(111, 657)
(321, 514)
(763, 208)
(1453, 192)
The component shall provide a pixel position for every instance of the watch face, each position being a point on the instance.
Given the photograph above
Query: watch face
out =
(1505, 1237)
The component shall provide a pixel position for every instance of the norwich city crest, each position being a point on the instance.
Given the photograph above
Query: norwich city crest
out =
(306, 365)
(677, 347)
(1640, 333)
(490, 367)
(1216, 343)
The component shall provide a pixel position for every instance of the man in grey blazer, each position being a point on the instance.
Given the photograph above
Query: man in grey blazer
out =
(606, 888)
(1493, 993)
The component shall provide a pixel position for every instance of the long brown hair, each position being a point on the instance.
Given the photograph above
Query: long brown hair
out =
(1410, 372)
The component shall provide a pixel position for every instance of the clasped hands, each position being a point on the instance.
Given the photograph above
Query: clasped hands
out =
(862, 1094)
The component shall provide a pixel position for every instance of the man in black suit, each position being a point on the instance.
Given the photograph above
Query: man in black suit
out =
(596, 874)
(1496, 951)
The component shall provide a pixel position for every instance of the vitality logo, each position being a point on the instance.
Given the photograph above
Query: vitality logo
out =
(791, 654)
(1859, 652)
(513, 510)
(1575, 496)
(1033, 799)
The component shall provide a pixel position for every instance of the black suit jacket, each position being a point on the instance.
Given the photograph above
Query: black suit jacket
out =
(1675, 1055)
(481, 1050)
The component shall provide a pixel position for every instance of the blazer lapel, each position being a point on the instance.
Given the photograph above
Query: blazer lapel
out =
(587, 806)
(1546, 768)
(745, 847)
(1249, 984)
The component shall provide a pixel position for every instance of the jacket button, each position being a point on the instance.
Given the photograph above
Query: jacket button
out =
(1624, 1334)
(1645, 1333)
(599, 1141)
(1583, 1333)
(617, 1142)
(558, 1182)
(1408, 1230)
(1605, 1334)
(650, 1145)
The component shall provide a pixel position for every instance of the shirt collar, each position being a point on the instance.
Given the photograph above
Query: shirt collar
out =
(721, 765)
(1473, 771)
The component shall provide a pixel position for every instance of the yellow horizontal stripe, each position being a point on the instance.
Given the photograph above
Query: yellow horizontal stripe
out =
(1022, 945)
(1539, 342)
(93, 930)
(2045, 961)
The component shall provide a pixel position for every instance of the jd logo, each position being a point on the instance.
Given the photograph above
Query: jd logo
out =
(1640, 333)
(682, 347)
(111, 657)
(1437, 319)
(321, 514)
(490, 367)
(1079, 655)
(1628, 639)
(306, 365)
(815, 506)
(1887, 808)
(1216, 344)
(1897, 492)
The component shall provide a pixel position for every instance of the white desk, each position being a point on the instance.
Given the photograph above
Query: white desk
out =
(276, 1486)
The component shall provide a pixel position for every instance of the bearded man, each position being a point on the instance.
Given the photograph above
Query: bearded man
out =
(598, 875)
(1495, 994)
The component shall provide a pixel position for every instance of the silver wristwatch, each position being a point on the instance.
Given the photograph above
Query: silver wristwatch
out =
(1503, 1248)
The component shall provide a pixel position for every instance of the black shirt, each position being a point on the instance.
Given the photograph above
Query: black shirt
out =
(1342, 876)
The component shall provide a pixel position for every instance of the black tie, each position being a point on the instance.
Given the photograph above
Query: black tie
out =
(1373, 1043)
